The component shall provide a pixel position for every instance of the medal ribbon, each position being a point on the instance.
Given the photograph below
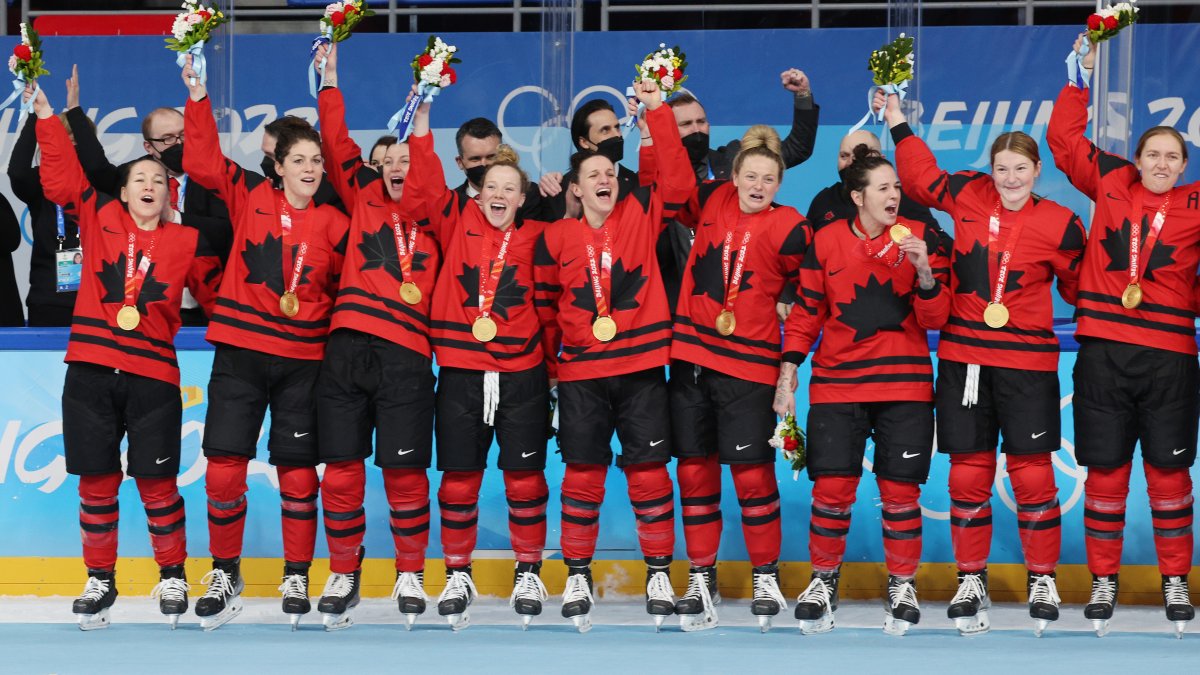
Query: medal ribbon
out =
(489, 282)
(404, 254)
(135, 275)
(285, 228)
(1009, 246)
(733, 282)
(882, 253)
(597, 268)
(1135, 234)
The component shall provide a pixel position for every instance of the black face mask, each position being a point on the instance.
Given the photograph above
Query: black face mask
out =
(172, 157)
(612, 148)
(475, 175)
(268, 169)
(696, 145)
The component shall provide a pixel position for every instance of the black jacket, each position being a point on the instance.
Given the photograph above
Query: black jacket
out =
(11, 313)
(833, 203)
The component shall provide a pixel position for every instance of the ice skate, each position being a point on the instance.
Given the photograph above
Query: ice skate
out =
(660, 597)
(1043, 601)
(339, 599)
(528, 592)
(295, 593)
(1178, 603)
(457, 597)
(901, 611)
(818, 602)
(970, 605)
(768, 600)
(577, 598)
(409, 594)
(223, 599)
(99, 593)
(697, 608)
(171, 593)
(1100, 606)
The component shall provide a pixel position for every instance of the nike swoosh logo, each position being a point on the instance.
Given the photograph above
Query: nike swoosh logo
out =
(526, 455)
(374, 205)
(658, 442)
(162, 460)
(1178, 451)
(473, 234)
(567, 263)
(1037, 436)
(833, 272)
(105, 228)
(969, 220)
(707, 224)
(405, 452)
(906, 455)
(742, 447)
(1112, 196)
(297, 434)
(261, 212)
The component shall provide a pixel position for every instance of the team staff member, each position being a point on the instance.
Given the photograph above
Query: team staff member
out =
(488, 341)
(605, 298)
(998, 355)
(11, 313)
(724, 366)
(478, 141)
(122, 374)
(377, 375)
(1136, 373)
(870, 292)
(270, 328)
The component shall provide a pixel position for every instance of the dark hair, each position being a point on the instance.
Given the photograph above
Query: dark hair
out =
(1160, 131)
(580, 127)
(125, 169)
(479, 127)
(866, 160)
(151, 115)
(277, 126)
(577, 161)
(683, 97)
(1018, 142)
(290, 135)
(382, 142)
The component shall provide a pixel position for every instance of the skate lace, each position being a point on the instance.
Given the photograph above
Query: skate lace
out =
(459, 585)
(296, 586)
(903, 593)
(94, 589)
(1104, 590)
(970, 588)
(818, 592)
(1175, 591)
(698, 588)
(408, 585)
(220, 584)
(1044, 590)
(529, 586)
(339, 585)
(577, 589)
(766, 588)
(170, 588)
(659, 587)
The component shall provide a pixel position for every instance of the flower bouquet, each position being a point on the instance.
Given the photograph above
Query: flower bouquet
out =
(433, 71)
(337, 24)
(789, 438)
(891, 68)
(192, 28)
(26, 65)
(1108, 22)
(666, 67)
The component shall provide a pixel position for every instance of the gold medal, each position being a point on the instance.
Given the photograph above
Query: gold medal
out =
(484, 329)
(726, 322)
(289, 304)
(996, 315)
(604, 328)
(898, 232)
(410, 293)
(128, 317)
(1132, 297)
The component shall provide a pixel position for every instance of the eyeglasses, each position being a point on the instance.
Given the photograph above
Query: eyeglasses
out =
(168, 140)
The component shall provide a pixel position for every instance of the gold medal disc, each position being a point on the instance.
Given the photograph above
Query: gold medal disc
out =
(726, 322)
(128, 317)
(484, 329)
(996, 315)
(898, 232)
(289, 304)
(410, 293)
(604, 328)
(1132, 297)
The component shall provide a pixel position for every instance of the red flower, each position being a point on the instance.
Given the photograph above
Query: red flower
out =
(424, 60)
(1094, 22)
(337, 18)
(678, 74)
(204, 14)
(351, 9)
(1110, 23)
(448, 71)
(663, 72)
(790, 444)
(22, 52)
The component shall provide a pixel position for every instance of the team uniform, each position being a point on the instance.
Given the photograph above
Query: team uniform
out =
(1001, 379)
(871, 378)
(122, 375)
(599, 279)
(723, 383)
(270, 328)
(1136, 374)
(377, 376)
(492, 385)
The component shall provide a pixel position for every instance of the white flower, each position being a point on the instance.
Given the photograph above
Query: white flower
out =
(667, 83)
(902, 35)
(12, 64)
(662, 45)
(444, 81)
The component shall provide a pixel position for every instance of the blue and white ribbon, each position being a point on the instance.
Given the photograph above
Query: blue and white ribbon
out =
(1076, 73)
(198, 62)
(633, 119)
(900, 90)
(325, 38)
(401, 122)
(19, 87)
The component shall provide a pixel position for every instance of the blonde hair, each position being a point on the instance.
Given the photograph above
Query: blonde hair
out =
(760, 140)
(506, 156)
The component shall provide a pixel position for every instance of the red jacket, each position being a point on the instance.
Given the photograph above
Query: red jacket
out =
(248, 313)
(1050, 244)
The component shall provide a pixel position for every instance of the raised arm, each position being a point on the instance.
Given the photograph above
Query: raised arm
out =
(22, 174)
(203, 162)
(100, 171)
(923, 180)
(426, 196)
(798, 146)
(63, 180)
(343, 157)
(674, 179)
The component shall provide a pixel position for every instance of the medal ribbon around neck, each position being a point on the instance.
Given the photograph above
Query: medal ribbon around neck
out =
(1010, 245)
(597, 269)
(733, 281)
(404, 256)
(135, 276)
(284, 218)
(1136, 252)
(882, 253)
(491, 281)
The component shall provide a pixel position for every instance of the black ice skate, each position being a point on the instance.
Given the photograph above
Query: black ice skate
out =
(1100, 606)
(528, 592)
(409, 594)
(577, 598)
(99, 593)
(338, 600)
(171, 593)
(660, 597)
(697, 608)
(223, 599)
(818, 602)
(970, 605)
(294, 591)
(1043, 601)
(1178, 603)
(457, 597)
(768, 599)
(901, 610)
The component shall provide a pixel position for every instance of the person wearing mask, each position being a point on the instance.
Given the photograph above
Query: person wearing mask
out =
(478, 140)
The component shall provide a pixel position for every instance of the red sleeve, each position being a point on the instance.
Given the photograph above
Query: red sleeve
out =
(547, 289)
(426, 196)
(204, 280)
(63, 179)
(203, 161)
(1069, 258)
(343, 157)
(647, 165)
(920, 175)
(338, 230)
(932, 306)
(674, 179)
(795, 244)
(804, 324)
(1073, 153)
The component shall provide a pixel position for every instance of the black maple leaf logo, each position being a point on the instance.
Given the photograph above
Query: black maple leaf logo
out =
(971, 272)
(264, 263)
(708, 274)
(875, 307)
(623, 290)
(112, 277)
(509, 292)
(379, 251)
(1116, 245)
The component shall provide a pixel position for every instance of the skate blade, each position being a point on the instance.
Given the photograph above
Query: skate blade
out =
(337, 621)
(210, 623)
(1100, 626)
(458, 621)
(1180, 626)
(409, 620)
(583, 622)
(658, 622)
(817, 626)
(94, 621)
(764, 623)
(690, 623)
(894, 626)
(973, 625)
(173, 620)
(295, 621)
(1040, 628)
(526, 619)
